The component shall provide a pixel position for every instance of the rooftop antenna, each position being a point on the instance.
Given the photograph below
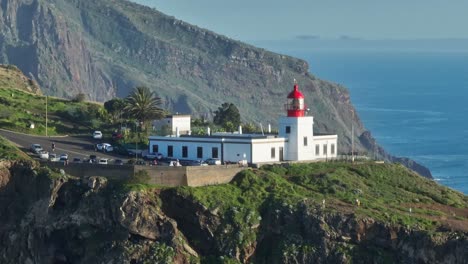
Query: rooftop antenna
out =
(261, 128)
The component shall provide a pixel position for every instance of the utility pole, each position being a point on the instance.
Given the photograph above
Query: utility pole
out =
(46, 114)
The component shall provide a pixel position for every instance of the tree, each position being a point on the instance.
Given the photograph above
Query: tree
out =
(250, 128)
(81, 97)
(143, 105)
(115, 108)
(227, 116)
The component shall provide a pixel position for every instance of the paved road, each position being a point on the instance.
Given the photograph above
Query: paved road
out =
(74, 146)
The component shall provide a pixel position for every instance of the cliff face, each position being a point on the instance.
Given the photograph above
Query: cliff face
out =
(49, 218)
(105, 48)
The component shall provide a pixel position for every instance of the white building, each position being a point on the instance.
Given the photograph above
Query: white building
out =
(294, 142)
(174, 124)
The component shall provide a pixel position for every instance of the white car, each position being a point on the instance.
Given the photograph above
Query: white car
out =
(53, 157)
(213, 161)
(104, 147)
(103, 161)
(36, 148)
(97, 135)
(44, 155)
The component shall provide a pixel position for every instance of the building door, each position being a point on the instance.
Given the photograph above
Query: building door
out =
(281, 158)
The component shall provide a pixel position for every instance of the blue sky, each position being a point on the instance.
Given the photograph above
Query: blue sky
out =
(253, 20)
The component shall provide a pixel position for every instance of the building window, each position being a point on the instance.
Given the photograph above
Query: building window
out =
(273, 153)
(214, 153)
(199, 152)
(184, 151)
(325, 152)
(305, 141)
(170, 151)
(155, 148)
(317, 150)
(333, 149)
(288, 130)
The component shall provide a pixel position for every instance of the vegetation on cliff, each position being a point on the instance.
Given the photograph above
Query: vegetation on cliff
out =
(10, 152)
(302, 213)
(257, 200)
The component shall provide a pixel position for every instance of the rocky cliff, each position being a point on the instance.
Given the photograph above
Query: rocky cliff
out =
(104, 48)
(12, 77)
(298, 214)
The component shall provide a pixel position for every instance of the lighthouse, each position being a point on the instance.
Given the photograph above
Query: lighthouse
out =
(295, 140)
(297, 128)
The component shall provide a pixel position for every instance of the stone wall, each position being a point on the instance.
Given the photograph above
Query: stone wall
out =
(210, 175)
(165, 175)
(162, 175)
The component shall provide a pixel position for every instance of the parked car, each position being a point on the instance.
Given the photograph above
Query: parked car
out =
(152, 156)
(36, 148)
(44, 155)
(116, 136)
(92, 159)
(166, 161)
(140, 162)
(63, 157)
(213, 161)
(104, 147)
(97, 135)
(103, 161)
(118, 162)
(193, 163)
(53, 157)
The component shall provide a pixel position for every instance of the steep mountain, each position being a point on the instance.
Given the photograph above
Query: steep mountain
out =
(305, 213)
(104, 48)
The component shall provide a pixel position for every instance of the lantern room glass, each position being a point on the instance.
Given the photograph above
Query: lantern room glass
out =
(295, 104)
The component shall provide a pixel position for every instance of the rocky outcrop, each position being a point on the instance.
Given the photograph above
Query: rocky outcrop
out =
(50, 218)
(369, 142)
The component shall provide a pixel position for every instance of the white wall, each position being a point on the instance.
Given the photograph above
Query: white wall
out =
(262, 150)
(300, 127)
(182, 122)
(234, 152)
(328, 141)
(177, 144)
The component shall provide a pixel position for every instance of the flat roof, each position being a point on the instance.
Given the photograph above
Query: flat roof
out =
(227, 135)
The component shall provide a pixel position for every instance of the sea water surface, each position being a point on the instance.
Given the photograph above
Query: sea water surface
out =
(415, 104)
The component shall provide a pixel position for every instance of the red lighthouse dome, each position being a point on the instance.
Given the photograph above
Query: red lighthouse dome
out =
(295, 105)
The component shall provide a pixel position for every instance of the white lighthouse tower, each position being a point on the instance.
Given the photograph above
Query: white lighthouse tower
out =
(297, 128)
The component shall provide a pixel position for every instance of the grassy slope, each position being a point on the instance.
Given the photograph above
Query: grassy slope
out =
(18, 109)
(10, 152)
(386, 193)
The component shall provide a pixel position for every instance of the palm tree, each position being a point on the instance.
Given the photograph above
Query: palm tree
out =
(143, 105)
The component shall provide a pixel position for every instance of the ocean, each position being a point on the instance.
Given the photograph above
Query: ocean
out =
(415, 104)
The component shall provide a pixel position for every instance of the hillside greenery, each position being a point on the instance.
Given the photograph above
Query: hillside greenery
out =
(278, 198)
(385, 192)
(19, 109)
(10, 152)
